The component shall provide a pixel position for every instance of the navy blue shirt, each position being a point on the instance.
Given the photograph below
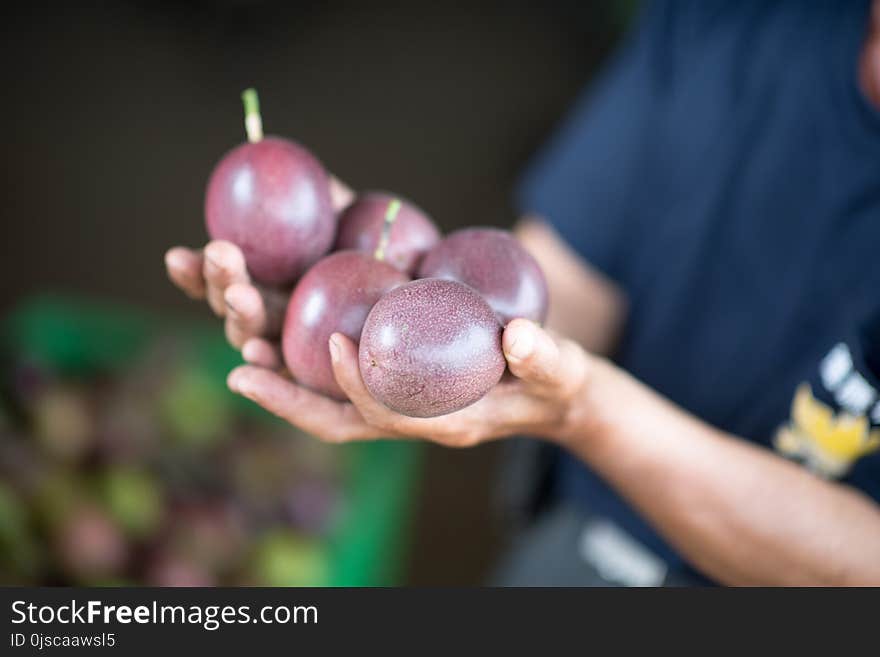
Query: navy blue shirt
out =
(725, 172)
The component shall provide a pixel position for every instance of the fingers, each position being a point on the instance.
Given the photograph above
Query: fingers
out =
(262, 353)
(253, 312)
(340, 193)
(245, 313)
(184, 268)
(318, 415)
(455, 430)
(223, 266)
(551, 367)
(220, 274)
(385, 422)
(275, 305)
(344, 358)
(510, 407)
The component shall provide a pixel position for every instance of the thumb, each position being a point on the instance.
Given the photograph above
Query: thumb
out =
(553, 366)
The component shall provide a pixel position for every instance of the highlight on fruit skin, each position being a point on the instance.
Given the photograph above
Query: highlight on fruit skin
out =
(430, 347)
(271, 197)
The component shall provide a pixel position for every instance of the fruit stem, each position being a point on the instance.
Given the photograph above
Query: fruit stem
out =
(390, 216)
(253, 123)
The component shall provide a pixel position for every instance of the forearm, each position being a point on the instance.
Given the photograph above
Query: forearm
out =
(735, 510)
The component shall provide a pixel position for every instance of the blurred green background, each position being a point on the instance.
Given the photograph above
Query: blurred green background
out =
(122, 456)
(124, 459)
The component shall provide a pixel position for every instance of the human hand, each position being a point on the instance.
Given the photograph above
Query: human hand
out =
(218, 273)
(539, 396)
(543, 396)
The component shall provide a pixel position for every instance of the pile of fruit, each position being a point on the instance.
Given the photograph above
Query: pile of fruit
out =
(427, 312)
(154, 476)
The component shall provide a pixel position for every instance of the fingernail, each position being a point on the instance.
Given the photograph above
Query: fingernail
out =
(232, 381)
(238, 382)
(334, 350)
(244, 387)
(522, 345)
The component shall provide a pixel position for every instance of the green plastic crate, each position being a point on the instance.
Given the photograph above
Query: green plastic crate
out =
(80, 337)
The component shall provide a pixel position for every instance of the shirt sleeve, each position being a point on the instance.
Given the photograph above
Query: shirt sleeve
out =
(580, 180)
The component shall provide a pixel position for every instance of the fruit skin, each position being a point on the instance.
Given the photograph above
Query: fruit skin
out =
(272, 199)
(494, 263)
(334, 296)
(431, 347)
(412, 234)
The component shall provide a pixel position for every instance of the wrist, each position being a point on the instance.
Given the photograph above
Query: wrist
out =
(588, 416)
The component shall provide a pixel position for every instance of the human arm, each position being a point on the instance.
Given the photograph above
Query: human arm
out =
(738, 512)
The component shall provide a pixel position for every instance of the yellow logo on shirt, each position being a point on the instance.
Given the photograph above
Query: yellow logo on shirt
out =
(826, 442)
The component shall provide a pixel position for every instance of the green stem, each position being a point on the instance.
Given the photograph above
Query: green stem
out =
(390, 216)
(253, 122)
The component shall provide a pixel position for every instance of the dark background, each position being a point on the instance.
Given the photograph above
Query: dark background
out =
(113, 115)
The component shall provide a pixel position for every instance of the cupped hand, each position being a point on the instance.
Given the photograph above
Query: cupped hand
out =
(541, 398)
(218, 273)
